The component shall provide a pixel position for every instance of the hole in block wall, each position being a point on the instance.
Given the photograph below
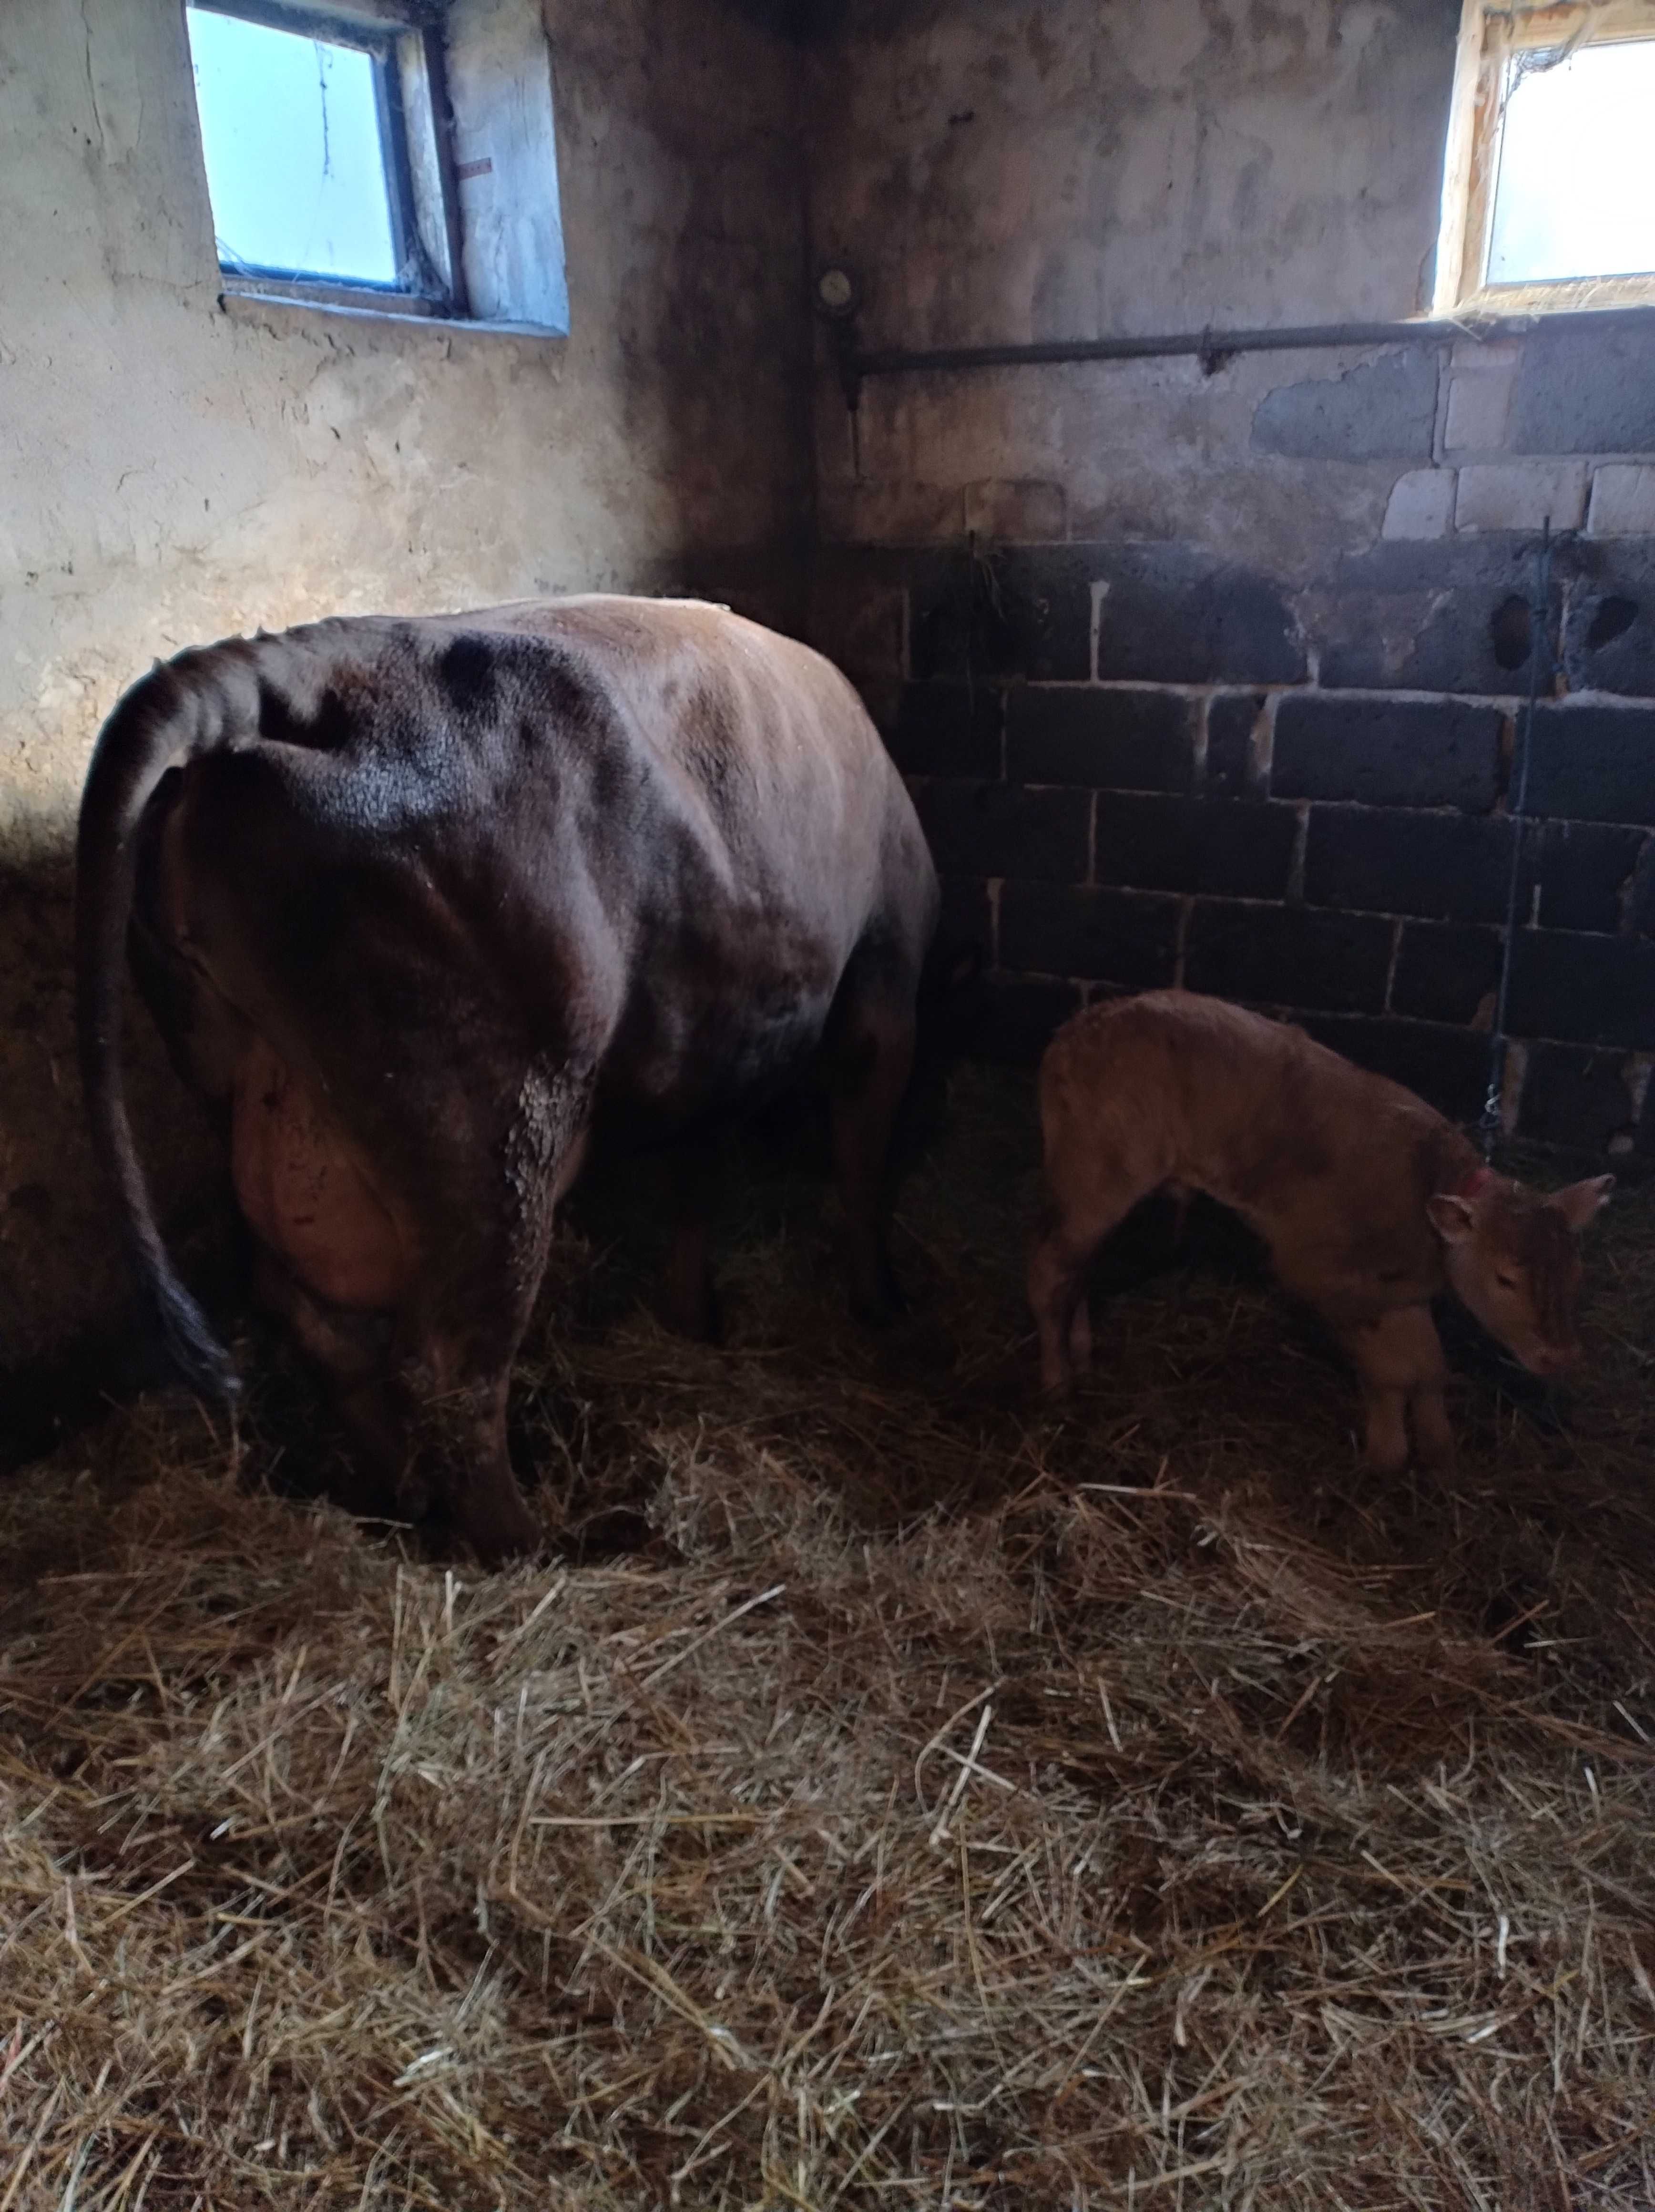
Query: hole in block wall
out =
(1509, 632)
(1611, 619)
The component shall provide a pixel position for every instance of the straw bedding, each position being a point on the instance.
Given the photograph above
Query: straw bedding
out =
(893, 1794)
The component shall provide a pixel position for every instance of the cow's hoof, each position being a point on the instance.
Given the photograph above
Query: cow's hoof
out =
(368, 1495)
(615, 1531)
(877, 1305)
(415, 1501)
(501, 1534)
(698, 1319)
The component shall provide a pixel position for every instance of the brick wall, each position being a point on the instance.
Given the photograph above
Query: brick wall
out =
(1143, 764)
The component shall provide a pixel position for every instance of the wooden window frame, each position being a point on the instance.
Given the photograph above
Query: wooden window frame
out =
(1489, 35)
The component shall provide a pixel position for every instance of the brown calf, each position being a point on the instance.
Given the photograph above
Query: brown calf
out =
(1369, 1200)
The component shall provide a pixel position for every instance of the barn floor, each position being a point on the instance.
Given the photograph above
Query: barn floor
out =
(900, 1795)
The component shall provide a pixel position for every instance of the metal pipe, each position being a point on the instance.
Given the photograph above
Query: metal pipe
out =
(1213, 347)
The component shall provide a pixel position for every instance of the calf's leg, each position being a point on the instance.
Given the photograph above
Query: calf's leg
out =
(1433, 1439)
(1399, 1359)
(1082, 1210)
(1080, 1332)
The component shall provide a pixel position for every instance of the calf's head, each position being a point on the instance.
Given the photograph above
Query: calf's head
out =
(1511, 1255)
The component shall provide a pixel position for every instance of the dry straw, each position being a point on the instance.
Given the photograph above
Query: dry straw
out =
(941, 1804)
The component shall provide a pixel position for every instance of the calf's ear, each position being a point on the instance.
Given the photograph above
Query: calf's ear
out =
(1579, 1201)
(1450, 1217)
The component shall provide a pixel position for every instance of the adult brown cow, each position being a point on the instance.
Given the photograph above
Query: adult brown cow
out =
(418, 903)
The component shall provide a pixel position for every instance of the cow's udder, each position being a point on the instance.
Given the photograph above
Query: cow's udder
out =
(304, 1191)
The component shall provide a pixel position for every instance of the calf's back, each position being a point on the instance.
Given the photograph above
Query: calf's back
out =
(1332, 1165)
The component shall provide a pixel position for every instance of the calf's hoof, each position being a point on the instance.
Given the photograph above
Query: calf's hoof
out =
(1077, 1336)
(1434, 1440)
(1386, 1455)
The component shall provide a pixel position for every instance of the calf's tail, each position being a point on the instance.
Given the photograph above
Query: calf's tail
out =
(181, 709)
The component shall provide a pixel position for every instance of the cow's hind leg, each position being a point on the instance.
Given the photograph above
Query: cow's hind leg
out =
(485, 1159)
(404, 1136)
(872, 1046)
(689, 1302)
(350, 1348)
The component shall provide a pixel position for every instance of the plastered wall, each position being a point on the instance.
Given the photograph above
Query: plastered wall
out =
(1209, 671)
(173, 473)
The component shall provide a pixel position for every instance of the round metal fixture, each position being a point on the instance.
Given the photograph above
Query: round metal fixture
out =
(836, 293)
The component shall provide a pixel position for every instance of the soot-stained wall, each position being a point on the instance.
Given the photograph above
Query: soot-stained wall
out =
(175, 472)
(1209, 672)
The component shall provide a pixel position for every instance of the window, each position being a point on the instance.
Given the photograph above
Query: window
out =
(1548, 188)
(305, 129)
(395, 155)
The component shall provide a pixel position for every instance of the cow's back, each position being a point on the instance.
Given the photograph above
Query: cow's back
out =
(660, 828)
(762, 739)
(766, 838)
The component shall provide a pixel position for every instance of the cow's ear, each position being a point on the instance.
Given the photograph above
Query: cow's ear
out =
(1452, 1216)
(1579, 1201)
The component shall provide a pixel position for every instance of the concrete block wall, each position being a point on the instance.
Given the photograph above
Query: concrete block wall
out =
(1144, 764)
(1208, 669)
(1552, 426)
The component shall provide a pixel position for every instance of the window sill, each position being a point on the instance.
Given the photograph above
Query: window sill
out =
(250, 304)
(1598, 295)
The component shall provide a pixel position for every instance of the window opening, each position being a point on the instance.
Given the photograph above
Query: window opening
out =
(1574, 191)
(1549, 182)
(319, 175)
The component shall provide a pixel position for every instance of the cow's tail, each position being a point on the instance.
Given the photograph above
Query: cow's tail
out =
(177, 712)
